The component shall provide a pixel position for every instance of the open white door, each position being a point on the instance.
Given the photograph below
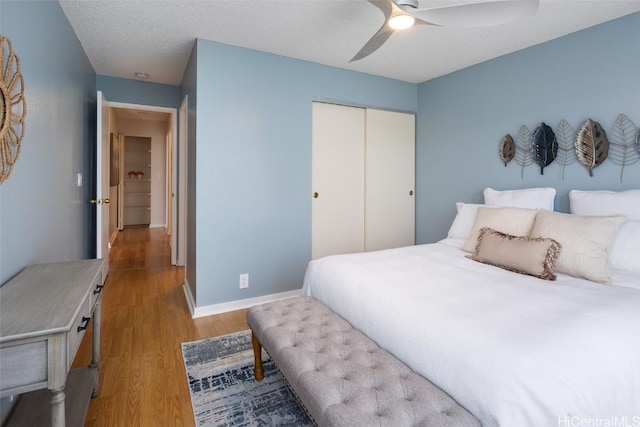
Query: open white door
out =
(102, 184)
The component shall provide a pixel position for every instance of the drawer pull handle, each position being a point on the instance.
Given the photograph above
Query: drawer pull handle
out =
(85, 321)
(98, 289)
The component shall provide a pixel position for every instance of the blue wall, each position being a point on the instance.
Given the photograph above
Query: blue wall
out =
(463, 116)
(254, 163)
(252, 173)
(132, 91)
(44, 216)
(189, 80)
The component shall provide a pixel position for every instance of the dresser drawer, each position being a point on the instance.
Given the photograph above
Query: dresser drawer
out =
(78, 329)
(23, 366)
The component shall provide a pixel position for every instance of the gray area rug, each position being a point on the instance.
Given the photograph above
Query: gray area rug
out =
(224, 391)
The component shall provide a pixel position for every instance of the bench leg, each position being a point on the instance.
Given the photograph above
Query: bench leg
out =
(257, 355)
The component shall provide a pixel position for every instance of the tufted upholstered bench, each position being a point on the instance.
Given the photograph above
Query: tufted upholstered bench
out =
(341, 377)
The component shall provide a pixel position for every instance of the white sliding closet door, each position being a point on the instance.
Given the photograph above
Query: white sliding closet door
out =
(389, 180)
(337, 180)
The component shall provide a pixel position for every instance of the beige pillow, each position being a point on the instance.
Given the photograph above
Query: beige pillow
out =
(535, 257)
(585, 242)
(514, 221)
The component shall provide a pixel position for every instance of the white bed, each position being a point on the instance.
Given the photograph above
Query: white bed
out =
(513, 349)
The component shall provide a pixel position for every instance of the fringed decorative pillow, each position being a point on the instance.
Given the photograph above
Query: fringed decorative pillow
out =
(533, 256)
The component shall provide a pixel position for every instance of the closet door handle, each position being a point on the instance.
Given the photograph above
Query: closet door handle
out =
(315, 195)
(411, 193)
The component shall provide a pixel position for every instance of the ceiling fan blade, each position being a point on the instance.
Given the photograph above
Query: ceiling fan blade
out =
(386, 6)
(419, 21)
(482, 14)
(374, 43)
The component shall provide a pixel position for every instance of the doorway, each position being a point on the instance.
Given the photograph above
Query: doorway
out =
(158, 125)
(138, 175)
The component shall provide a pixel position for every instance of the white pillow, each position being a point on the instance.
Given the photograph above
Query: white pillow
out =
(514, 221)
(625, 251)
(462, 223)
(603, 202)
(585, 242)
(529, 198)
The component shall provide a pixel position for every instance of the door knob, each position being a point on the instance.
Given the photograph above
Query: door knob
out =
(411, 193)
(106, 201)
(315, 195)
(95, 201)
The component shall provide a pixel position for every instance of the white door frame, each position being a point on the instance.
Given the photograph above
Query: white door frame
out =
(173, 113)
(179, 236)
(120, 222)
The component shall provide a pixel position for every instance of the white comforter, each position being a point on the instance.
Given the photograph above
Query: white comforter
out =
(512, 349)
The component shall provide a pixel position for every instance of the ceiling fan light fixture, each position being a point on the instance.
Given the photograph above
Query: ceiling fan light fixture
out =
(401, 21)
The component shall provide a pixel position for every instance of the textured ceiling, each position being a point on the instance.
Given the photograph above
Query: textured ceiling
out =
(156, 37)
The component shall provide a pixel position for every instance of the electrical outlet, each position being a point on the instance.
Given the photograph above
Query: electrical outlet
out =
(244, 280)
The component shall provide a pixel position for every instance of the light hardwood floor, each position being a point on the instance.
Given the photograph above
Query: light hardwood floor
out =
(145, 318)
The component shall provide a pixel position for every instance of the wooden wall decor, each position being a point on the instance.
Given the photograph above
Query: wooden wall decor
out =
(13, 108)
(507, 149)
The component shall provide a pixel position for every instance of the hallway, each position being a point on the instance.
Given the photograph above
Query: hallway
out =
(145, 318)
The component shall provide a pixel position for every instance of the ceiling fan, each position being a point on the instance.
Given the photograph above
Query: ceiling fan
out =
(402, 14)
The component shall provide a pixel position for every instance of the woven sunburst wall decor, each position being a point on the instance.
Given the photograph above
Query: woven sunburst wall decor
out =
(13, 108)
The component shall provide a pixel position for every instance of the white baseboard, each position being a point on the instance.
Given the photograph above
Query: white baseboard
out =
(224, 307)
(113, 237)
(157, 225)
(191, 302)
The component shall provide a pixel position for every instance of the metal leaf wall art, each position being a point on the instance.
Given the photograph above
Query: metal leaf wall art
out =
(544, 147)
(623, 140)
(566, 137)
(589, 145)
(507, 149)
(592, 146)
(523, 148)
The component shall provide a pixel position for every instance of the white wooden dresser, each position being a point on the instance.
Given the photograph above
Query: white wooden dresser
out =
(44, 312)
